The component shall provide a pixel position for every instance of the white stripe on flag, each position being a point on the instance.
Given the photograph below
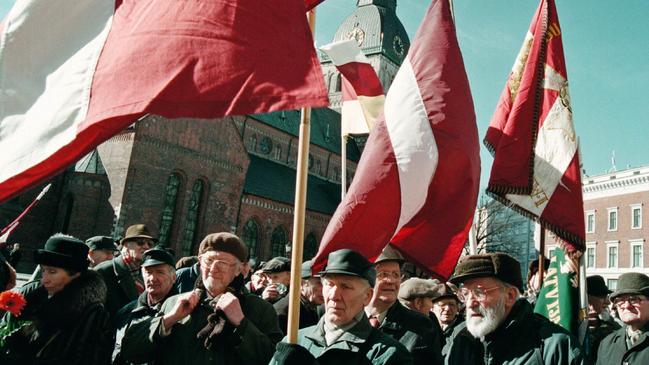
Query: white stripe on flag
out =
(412, 140)
(61, 102)
(344, 52)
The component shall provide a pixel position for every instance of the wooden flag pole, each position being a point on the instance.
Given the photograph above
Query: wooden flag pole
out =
(343, 167)
(299, 215)
(541, 255)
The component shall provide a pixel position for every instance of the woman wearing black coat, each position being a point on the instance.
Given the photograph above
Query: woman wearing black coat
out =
(67, 321)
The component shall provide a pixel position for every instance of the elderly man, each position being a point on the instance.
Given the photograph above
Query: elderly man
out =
(159, 276)
(417, 294)
(344, 335)
(100, 249)
(278, 277)
(508, 330)
(414, 330)
(629, 344)
(446, 310)
(310, 300)
(218, 323)
(600, 323)
(122, 274)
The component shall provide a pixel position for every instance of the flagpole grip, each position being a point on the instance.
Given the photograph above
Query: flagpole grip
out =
(541, 255)
(343, 167)
(299, 213)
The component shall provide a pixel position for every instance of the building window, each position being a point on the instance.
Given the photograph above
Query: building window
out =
(636, 254)
(169, 209)
(612, 219)
(251, 236)
(310, 247)
(590, 222)
(612, 284)
(590, 257)
(636, 216)
(611, 261)
(252, 143)
(278, 242)
(191, 222)
(278, 153)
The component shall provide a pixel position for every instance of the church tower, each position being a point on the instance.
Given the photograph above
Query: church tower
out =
(380, 35)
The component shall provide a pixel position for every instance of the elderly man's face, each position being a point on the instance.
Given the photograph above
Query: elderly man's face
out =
(136, 247)
(283, 278)
(633, 309)
(488, 302)
(596, 305)
(388, 280)
(445, 310)
(312, 291)
(345, 296)
(96, 257)
(158, 281)
(218, 269)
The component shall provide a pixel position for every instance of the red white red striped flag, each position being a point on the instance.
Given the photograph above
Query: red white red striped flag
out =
(73, 74)
(417, 182)
(362, 92)
(536, 163)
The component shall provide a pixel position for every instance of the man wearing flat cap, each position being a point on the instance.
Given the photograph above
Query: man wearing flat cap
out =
(278, 277)
(100, 249)
(343, 335)
(159, 276)
(122, 274)
(629, 344)
(217, 323)
(310, 300)
(503, 322)
(600, 322)
(414, 330)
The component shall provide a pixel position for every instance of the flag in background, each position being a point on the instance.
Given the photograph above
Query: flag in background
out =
(6, 231)
(536, 164)
(416, 184)
(362, 92)
(73, 74)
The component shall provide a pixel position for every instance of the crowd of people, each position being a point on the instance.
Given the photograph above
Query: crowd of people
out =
(131, 302)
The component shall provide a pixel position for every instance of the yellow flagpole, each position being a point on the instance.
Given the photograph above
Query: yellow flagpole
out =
(299, 214)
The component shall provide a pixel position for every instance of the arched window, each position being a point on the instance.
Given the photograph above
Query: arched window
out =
(251, 236)
(278, 242)
(310, 247)
(169, 209)
(191, 222)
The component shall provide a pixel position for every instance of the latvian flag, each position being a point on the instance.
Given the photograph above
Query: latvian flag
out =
(362, 92)
(536, 162)
(417, 182)
(75, 73)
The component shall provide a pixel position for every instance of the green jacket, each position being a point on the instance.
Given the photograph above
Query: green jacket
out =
(253, 342)
(524, 338)
(361, 344)
(613, 349)
(120, 284)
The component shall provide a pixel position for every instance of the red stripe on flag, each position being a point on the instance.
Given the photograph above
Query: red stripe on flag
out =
(363, 77)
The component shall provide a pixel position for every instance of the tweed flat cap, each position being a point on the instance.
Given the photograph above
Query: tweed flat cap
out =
(417, 288)
(277, 264)
(497, 265)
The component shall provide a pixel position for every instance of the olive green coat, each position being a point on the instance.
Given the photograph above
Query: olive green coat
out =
(613, 349)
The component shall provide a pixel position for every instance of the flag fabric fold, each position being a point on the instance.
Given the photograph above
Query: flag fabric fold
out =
(310, 4)
(362, 92)
(531, 135)
(73, 74)
(417, 182)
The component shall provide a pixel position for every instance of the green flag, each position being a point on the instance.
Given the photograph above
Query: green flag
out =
(559, 297)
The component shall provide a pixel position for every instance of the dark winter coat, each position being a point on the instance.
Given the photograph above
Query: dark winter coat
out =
(186, 278)
(524, 338)
(416, 332)
(613, 349)
(596, 333)
(360, 345)
(72, 327)
(120, 284)
(309, 315)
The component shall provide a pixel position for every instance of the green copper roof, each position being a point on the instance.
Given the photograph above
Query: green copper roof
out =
(270, 180)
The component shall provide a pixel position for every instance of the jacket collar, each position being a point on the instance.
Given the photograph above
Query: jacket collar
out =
(143, 301)
(394, 313)
(124, 278)
(521, 311)
(350, 340)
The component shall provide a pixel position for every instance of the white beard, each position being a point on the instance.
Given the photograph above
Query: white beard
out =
(479, 327)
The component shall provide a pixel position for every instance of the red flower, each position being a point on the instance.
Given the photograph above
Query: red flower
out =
(12, 302)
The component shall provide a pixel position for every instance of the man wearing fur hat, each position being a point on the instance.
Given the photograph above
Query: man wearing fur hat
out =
(217, 323)
(630, 344)
(414, 330)
(122, 274)
(503, 322)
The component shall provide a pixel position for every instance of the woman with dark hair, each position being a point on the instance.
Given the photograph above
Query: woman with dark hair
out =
(64, 321)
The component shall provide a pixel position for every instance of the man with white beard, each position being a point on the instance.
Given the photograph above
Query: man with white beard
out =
(501, 326)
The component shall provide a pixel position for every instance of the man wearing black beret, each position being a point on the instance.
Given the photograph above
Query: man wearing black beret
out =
(503, 322)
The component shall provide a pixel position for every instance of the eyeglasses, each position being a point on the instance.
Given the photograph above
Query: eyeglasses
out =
(480, 294)
(634, 300)
(143, 242)
(385, 275)
(220, 264)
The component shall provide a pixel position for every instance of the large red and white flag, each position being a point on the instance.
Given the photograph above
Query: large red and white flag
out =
(536, 160)
(74, 73)
(417, 182)
(362, 92)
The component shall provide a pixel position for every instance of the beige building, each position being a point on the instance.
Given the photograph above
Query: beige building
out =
(617, 223)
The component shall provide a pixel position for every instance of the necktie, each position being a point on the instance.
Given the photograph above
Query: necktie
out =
(634, 338)
(374, 322)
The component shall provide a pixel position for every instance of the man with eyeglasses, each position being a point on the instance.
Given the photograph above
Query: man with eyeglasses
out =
(217, 323)
(503, 322)
(122, 274)
(414, 330)
(630, 344)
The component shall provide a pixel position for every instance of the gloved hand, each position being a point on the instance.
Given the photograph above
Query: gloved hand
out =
(293, 354)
